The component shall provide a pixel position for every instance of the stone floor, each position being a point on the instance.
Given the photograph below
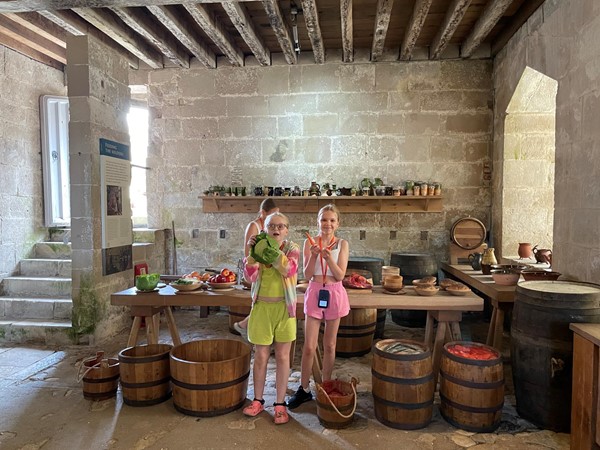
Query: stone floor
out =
(42, 406)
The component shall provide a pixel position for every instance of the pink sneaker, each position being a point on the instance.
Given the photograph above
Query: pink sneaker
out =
(254, 409)
(281, 415)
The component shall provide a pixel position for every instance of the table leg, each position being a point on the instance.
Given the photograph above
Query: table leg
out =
(492, 328)
(429, 330)
(172, 326)
(455, 331)
(133, 334)
(499, 329)
(151, 331)
(437, 350)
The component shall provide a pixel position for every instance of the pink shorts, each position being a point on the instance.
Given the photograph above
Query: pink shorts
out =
(339, 305)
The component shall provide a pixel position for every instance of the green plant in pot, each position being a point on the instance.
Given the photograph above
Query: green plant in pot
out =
(147, 282)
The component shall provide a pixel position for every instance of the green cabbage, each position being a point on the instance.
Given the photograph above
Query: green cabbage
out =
(265, 249)
(147, 282)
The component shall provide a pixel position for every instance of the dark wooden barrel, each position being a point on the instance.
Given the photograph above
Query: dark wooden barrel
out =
(472, 390)
(373, 265)
(210, 377)
(412, 267)
(402, 383)
(145, 374)
(237, 314)
(100, 378)
(542, 347)
(356, 332)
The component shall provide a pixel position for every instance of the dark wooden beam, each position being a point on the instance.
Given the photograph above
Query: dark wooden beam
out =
(520, 17)
(32, 39)
(347, 31)
(139, 21)
(34, 54)
(382, 23)
(243, 23)
(456, 12)
(311, 17)
(41, 26)
(281, 30)
(216, 32)
(185, 34)
(413, 30)
(490, 16)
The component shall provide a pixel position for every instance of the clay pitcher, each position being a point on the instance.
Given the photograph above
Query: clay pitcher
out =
(525, 250)
(475, 260)
(488, 258)
(543, 255)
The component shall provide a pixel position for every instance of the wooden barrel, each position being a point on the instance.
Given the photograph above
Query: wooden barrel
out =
(471, 390)
(100, 378)
(413, 266)
(542, 347)
(237, 314)
(402, 378)
(355, 334)
(210, 377)
(145, 374)
(468, 233)
(375, 267)
(340, 394)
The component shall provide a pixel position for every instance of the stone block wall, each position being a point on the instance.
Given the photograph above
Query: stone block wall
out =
(290, 125)
(22, 83)
(560, 41)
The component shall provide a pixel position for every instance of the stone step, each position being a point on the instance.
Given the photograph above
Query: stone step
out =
(35, 308)
(52, 250)
(48, 332)
(59, 234)
(45, 268)
(46, 287)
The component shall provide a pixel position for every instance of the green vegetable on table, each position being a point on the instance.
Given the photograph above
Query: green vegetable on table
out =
(183, 281)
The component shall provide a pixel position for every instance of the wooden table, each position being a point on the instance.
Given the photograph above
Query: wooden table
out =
(502, 298)
(444, 308)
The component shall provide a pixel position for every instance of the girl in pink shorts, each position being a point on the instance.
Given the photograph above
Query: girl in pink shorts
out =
(325, 262)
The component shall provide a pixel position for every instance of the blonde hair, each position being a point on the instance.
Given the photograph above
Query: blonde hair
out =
(277, 214)
(330, 207)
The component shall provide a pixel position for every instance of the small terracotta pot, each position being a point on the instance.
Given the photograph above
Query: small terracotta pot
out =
(525, 250)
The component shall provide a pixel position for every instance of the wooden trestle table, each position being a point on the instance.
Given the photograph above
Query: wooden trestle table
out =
(444, 308)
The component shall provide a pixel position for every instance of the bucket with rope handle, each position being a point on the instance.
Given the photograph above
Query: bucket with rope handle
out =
(336, 403)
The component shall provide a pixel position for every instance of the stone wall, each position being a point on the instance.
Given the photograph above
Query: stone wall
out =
(560, 41)
(22, 82)
(290, 125)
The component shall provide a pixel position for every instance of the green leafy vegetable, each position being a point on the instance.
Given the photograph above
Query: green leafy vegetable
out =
(265, 249)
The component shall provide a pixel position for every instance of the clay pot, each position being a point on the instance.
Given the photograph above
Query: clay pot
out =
(543, 255)
(393, 283)
(525, 250)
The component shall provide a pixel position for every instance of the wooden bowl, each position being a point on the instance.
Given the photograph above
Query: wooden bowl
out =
(186, 287)
(517, 268)
(421, 283)
(221, 285)
(458, 289)
(427, 291)
(540, 275)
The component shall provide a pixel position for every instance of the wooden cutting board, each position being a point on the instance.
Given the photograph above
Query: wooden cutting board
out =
(359, 291)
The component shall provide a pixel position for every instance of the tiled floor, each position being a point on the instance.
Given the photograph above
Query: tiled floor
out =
(43, 407)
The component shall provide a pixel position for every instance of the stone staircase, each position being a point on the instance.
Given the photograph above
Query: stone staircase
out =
(36, 305)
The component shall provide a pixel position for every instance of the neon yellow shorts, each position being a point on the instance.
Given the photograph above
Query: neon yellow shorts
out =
(270, 322)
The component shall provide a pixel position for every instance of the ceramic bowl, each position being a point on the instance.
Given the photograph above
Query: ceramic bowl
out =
(517, 268)
(446, 282)
(427, 291)
(504, 278)
(540, 275)
(458, 289)
(424, 282)
(221, 285)
(186, 287)
(393, 283)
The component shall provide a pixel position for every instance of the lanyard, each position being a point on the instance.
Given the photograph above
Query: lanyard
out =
(323, 262)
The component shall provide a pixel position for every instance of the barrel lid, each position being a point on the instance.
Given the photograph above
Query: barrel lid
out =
(468, 233)
(560, 287)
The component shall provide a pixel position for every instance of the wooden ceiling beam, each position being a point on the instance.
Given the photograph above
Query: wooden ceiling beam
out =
(41, 26)
(382, 23)
(413, 30)
(33, 40)
(243, 23)
(281, 30)
(19, 47)
(454, 15)
(311, 17)
(521, 16)
(108, 24)
(140, 22)
(72, 23)
(347, 31)
(185, 34)
(216, 32)
(490, 16)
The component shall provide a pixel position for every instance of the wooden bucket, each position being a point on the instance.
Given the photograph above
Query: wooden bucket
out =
(542, 347)
(355, 334)
(412, 267)
(145, 374)
(471, 390)
(210, 377)
(336, 403)
(402, 384)
(100, 377)
(237, 314)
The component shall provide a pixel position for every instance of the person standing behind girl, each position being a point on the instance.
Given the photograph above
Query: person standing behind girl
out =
(267, 207)
(325, 262)
(273, 315)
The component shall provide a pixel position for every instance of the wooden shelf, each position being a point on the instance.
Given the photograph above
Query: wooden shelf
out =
(346, 204)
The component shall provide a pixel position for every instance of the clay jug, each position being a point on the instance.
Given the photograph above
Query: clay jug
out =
(543, 255)
(475, 260)
(525, 250)
(314, 189)
(488, 258)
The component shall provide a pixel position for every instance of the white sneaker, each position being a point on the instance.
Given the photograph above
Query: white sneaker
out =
(243, 331)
